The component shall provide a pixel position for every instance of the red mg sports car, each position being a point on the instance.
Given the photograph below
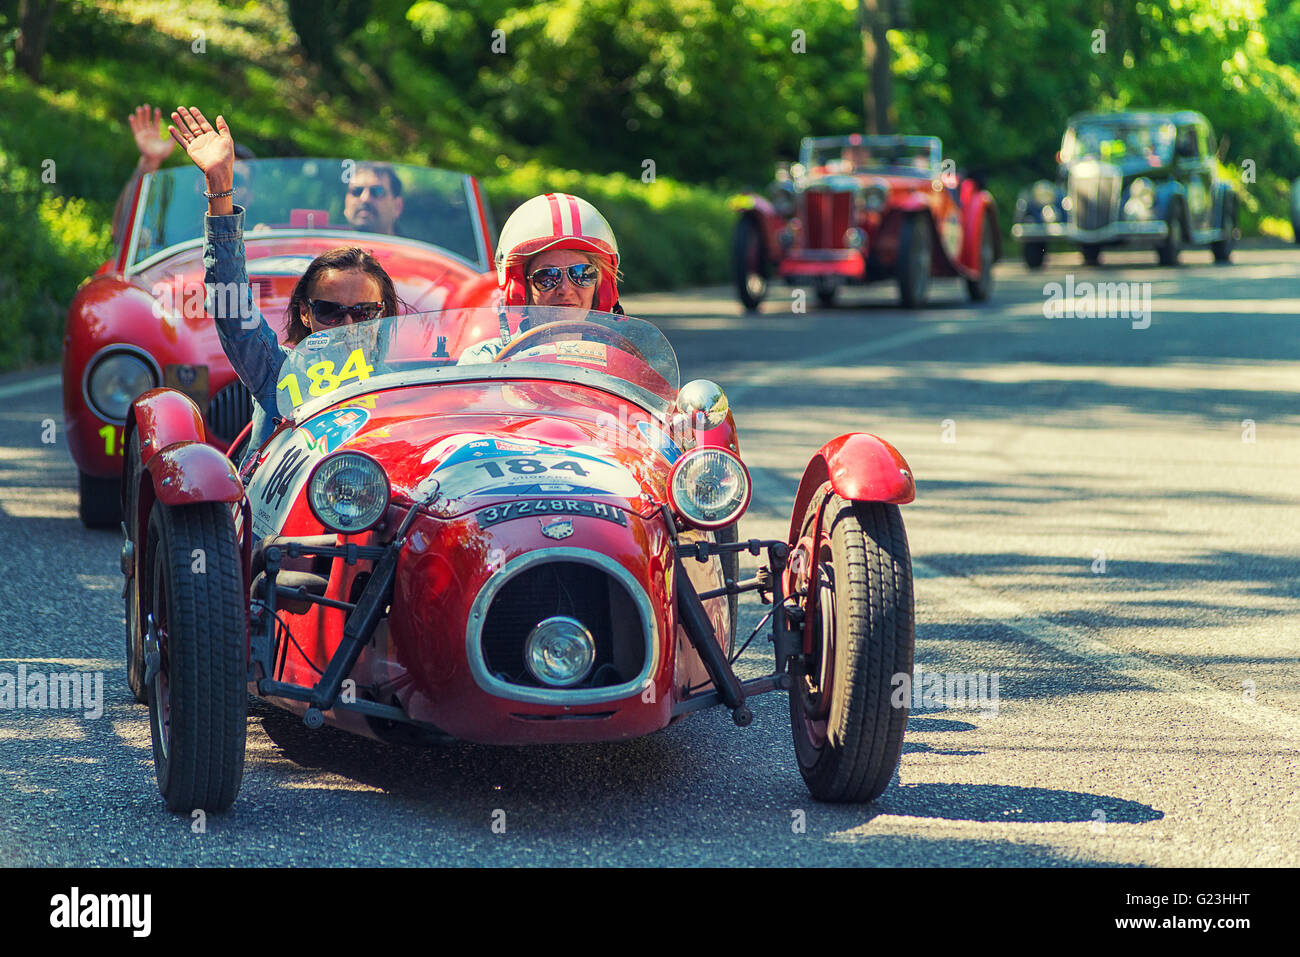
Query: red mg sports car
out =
(530, 543)
(857, 209)
(140, 321)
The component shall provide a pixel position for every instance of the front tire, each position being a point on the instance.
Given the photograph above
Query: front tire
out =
(198, 701)
(1222, 248)
(914, 261)
(1091, 253)
(749, 264)
(1033, 254)
(1168, 251)
(980, 288)
(847, 734)
(99, 501)
(135, 663)
(826, 289)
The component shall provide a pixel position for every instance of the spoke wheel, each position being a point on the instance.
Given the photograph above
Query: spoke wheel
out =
(848, 736)
(135, 622)
(196, 630)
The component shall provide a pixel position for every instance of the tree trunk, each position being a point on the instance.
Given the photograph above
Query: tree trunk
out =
(34, 18)
(878, 96)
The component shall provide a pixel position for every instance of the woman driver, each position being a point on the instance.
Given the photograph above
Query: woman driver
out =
(339, 286)
(555, 250)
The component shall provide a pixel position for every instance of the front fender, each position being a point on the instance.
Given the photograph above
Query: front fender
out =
(163, 417)
(1166, 194)
(189, 473)
(973, 212)
(860, 467)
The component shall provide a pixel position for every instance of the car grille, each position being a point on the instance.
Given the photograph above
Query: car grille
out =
(576, 590)
(1095, 196)
(826, 217)
(229, 411)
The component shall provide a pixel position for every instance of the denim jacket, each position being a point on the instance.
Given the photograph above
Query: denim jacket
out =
(251, 345)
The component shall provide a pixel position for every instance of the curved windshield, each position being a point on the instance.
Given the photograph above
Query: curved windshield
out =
(854, 155)
(459, 344)
(429, 205)
(1127, 144)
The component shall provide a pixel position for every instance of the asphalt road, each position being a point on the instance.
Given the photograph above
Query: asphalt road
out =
(1094, 524)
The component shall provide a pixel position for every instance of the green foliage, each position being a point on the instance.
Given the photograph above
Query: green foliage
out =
(669, 234)
(49, 245)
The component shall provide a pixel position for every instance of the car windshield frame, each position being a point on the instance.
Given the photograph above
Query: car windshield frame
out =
(449, 345)
(172, 198)
(1160, 136)
(929, 146)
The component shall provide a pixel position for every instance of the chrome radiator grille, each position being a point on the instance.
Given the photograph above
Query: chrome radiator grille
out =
(1094, 193)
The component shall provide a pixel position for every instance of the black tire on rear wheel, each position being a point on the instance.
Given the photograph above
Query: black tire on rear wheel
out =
(865, 574)
(826, 291)
(749, 263)
(914, 261)
(980, 288)
(1169, 250)
(99, 501)
(1034, 254)
(198, 701)
(135, 665)
(1091, 253)
(1222, 248)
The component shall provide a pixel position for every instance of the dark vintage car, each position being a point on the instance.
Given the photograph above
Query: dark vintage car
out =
(141, 320)
(1146, 180)
(857, 209)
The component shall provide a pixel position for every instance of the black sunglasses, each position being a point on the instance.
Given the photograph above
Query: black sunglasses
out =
(580, 274)
(329, 313)
(377, 191)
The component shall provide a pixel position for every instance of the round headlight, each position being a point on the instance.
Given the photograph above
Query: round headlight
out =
(560, 651)
(348, 492)
(709, 487)
(854, 238)
(1044, 193)
(1142, 190)
(115, 381)
(873, 198)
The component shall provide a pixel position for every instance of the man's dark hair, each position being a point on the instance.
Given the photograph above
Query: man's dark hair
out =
(382, 169)
(344, 258)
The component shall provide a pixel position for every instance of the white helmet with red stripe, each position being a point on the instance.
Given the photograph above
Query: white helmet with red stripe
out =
(555, 221)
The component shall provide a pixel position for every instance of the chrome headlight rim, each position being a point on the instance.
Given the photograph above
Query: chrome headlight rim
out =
(1142, 190)
(538, 634)
(693, 518)
(105, 353)
(332, 459)
(874, 196)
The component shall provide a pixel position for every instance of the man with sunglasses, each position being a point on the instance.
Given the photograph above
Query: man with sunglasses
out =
(373, 199)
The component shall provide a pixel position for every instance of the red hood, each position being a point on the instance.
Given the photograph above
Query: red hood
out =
(488, 442)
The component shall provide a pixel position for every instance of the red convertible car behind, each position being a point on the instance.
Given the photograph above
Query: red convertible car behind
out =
(140, 322)
(859, 209)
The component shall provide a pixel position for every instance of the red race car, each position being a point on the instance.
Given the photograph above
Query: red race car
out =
(532, 546)
(140, 322)
(857, 209)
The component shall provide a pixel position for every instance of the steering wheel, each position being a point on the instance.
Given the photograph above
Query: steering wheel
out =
(586, 331)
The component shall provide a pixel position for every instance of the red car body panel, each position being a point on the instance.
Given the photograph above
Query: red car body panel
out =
(859, 467)
(186, 473)
(159, 312)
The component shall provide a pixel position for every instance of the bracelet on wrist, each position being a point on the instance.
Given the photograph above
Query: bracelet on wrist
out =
(221, 195)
